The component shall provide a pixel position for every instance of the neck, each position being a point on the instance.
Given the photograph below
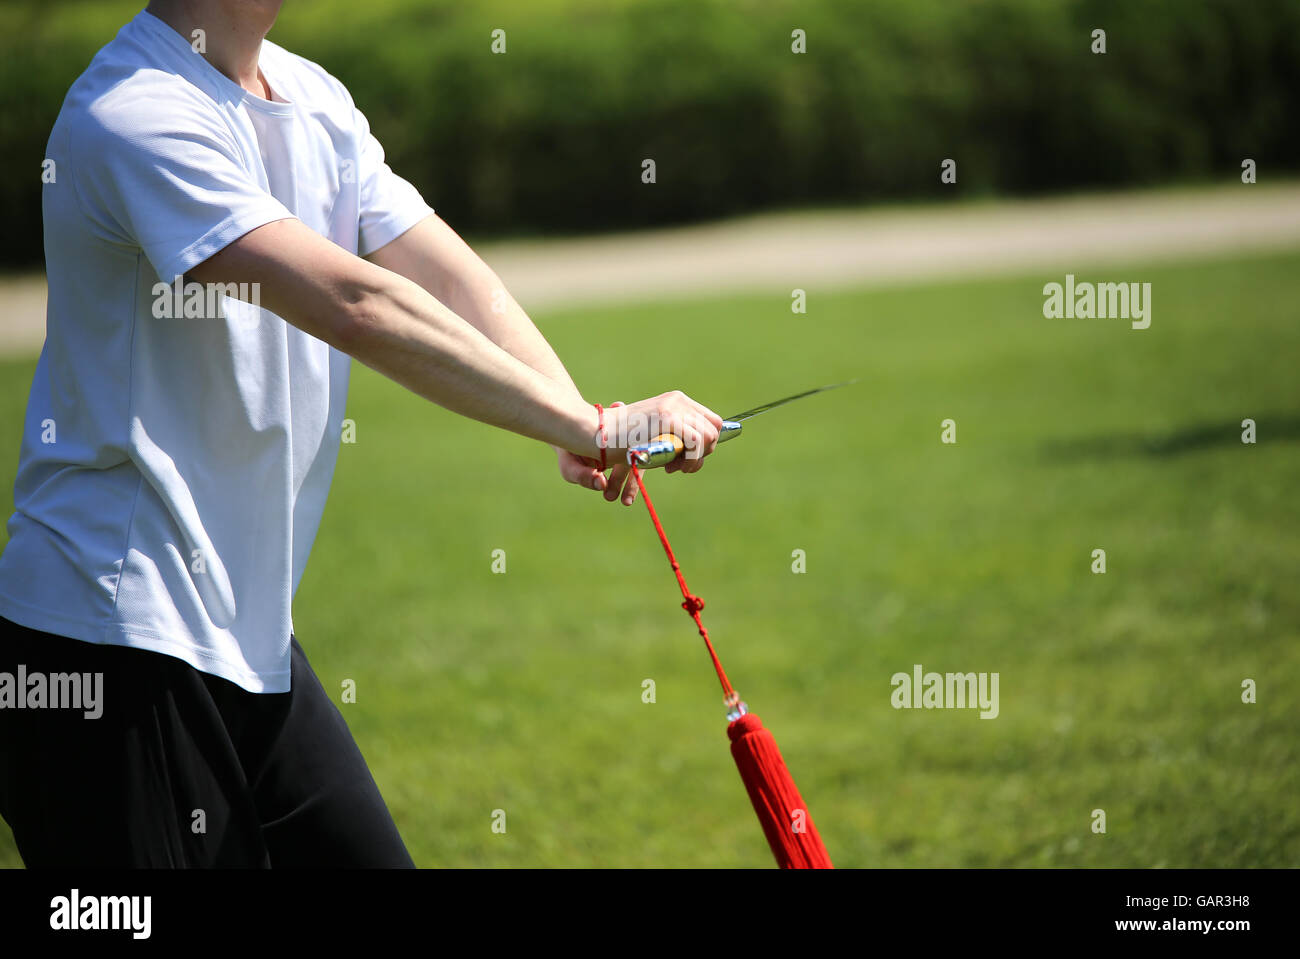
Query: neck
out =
(232, 34)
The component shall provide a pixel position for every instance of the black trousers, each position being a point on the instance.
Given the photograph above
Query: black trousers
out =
(183, 769)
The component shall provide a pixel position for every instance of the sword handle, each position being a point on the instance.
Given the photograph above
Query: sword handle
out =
(666, 447)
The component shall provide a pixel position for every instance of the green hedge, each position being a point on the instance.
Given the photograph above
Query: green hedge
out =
(550, 136)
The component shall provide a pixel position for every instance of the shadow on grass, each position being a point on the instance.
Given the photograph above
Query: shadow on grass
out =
(1269, 428)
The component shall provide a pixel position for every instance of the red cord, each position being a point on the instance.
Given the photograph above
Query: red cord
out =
(601, 439)
(692, 604)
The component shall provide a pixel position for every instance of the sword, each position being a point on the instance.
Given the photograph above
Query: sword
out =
(666, 447)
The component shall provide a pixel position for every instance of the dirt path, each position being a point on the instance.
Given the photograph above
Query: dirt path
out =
(818, 251)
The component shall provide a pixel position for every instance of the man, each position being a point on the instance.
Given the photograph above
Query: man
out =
(176, 460)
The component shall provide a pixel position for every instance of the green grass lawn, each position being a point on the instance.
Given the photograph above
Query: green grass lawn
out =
(1122, 691)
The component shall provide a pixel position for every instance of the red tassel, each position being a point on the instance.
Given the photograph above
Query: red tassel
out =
(786, 820)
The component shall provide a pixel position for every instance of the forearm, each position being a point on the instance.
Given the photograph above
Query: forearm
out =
(409, 336)
(395, 326)
(478, 295)
(432, 255)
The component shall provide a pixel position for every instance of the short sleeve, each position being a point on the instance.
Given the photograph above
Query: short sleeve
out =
(389, 204)
(167, 177)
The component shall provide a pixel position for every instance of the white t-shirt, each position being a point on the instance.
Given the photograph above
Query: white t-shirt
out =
(173, 471)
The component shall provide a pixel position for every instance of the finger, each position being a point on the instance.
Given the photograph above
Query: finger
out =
(590, 478)
(629, 489)
(698, 434)
(617, 477)
(693, 458)
(580, 471)
(571, 471)
(713, 418)
(709, 433)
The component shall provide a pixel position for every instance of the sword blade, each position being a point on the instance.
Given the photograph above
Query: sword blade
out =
(789, 399)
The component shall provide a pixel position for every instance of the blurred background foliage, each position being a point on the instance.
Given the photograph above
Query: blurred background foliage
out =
(550, 136)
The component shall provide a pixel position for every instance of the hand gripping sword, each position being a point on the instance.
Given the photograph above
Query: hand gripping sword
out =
(666, 447)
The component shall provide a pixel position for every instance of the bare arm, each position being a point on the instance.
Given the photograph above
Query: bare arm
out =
(434, 256)
(396, 327)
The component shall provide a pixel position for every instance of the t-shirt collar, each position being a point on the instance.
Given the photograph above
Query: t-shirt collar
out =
(224, 86)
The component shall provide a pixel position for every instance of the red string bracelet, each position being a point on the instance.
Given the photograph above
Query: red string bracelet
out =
(601, 439)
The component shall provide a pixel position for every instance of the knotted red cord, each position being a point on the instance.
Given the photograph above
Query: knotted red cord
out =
(602, 440)
(781, 811)
(692, 604)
